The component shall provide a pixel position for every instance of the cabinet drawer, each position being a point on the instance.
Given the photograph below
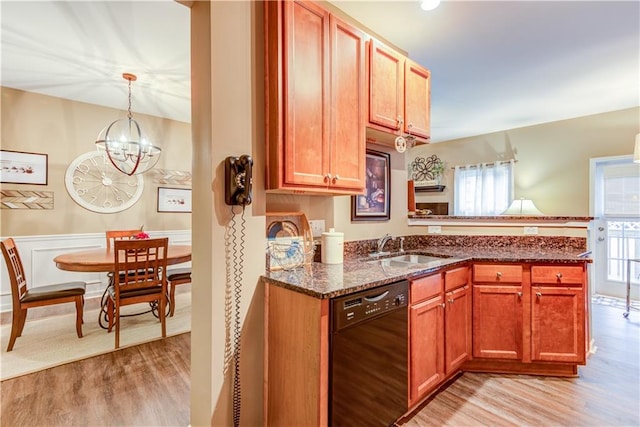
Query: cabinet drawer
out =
(425, 287)
(557, 275)
(456, 278)
(497, 273)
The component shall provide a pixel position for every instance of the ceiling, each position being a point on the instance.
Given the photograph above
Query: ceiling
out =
(494, 65)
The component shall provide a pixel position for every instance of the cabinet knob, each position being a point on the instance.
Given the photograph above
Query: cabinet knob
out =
(499, 274)
(451, 300)
(336, 178)
(559, 276)
(327, 178)
(400, 122)
(519, 294)
(443, 305)
(539, 294)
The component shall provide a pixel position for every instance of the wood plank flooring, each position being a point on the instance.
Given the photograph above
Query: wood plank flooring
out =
(607, 393)
(148, 385)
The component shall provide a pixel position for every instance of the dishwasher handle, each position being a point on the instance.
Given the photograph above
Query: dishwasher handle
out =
(377, 297)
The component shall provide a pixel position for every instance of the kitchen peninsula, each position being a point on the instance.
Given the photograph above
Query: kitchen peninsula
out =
(488, 304)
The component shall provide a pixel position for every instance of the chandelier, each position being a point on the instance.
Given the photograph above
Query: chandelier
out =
(124, 144)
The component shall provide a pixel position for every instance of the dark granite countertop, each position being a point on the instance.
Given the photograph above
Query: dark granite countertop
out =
(332, 280)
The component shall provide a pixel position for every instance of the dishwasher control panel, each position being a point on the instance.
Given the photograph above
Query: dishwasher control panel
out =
(352, 309)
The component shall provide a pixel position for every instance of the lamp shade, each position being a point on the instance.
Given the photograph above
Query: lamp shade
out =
(636, 150)
(524, 207)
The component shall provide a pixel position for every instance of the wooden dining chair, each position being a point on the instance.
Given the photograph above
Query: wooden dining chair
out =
(140, 267)
(24, 297)
(175, 277)
(113, 235)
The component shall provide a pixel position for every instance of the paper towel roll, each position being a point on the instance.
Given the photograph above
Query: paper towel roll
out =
(332, 247)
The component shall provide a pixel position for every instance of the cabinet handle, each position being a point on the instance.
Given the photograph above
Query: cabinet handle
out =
(559, 276)
(498, 274)
(539, 294)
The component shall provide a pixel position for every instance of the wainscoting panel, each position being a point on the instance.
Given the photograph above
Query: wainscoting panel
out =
(37, 254)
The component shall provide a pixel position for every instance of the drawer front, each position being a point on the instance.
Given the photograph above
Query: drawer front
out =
(557, 275)
(456, 278)
(497, 273)
(425, 287)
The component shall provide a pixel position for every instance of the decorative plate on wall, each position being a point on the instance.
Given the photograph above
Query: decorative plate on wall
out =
(94, 184)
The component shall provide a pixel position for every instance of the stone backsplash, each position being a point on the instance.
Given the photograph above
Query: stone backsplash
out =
(360, 248)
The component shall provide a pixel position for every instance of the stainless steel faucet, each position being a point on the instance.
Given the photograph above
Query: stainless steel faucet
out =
(383, 241)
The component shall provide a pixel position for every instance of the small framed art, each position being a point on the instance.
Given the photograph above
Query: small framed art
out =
(17, 167)
(375, 204)
(174, 199)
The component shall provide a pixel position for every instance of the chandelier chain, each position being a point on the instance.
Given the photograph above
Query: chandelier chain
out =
(129, 109)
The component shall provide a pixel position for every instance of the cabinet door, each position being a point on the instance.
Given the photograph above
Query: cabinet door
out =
(417, 100)
(426, 347)
(497, 322)
(386, 86)
(457, 335)
(348, 142)
(558, 325)
(306, 154)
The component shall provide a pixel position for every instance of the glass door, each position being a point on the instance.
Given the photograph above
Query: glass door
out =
(616, 206)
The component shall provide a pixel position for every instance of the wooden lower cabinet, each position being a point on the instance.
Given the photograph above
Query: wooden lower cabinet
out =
(557, 325)
(426, 367)
(457, 321)
(532, 323)
(497, 322)
(440, 330)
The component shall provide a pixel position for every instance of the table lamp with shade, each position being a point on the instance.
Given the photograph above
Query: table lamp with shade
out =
(522, 207)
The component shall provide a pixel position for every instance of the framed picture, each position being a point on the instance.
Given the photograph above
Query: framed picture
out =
(375, 204)
(174, 199)
(23, 168)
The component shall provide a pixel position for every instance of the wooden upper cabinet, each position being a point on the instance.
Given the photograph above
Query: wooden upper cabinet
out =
(386, 86)
(315, 101)
(417, 100)
(399, 93)
(348, 147)
(306, 85)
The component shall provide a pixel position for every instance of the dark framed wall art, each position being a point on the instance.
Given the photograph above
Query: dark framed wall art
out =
(375, 204)
(17, 167)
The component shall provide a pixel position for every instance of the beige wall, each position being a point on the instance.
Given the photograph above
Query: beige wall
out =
(553, 158)
(64, 130)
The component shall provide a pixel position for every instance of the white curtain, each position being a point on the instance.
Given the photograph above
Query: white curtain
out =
(483, 189)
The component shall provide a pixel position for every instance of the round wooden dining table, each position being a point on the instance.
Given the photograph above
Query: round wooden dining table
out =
(102, 260)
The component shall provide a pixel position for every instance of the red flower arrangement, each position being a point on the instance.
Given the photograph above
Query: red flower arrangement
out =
(141, 236)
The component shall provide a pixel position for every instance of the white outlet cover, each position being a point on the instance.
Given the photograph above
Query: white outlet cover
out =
(317, 227)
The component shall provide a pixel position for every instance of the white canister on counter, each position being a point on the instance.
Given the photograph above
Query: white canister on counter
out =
(332, 247)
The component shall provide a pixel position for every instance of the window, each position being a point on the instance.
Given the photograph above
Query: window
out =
(484, 189)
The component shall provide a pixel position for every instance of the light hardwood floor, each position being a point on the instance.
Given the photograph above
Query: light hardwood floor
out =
(148, 385)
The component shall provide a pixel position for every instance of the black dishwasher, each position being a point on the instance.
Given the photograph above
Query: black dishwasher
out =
(369, 351)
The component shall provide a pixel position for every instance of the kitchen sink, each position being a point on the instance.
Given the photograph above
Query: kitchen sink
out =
(406, 260)
(416, 259)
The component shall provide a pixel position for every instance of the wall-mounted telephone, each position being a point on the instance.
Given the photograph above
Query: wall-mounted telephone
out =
(238, 180)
